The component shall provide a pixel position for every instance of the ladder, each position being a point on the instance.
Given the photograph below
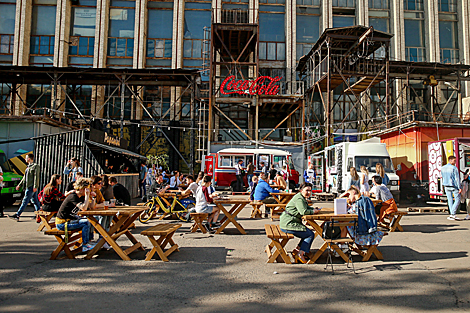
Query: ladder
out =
(206, 53)
(202, 131)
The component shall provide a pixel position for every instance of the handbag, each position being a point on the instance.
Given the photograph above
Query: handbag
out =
(330, 231)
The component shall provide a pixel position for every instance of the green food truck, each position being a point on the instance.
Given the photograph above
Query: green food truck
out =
(10, 181)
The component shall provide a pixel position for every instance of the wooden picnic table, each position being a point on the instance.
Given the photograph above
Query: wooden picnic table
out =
(230, 215)
(283, 197)
(326, 214)
(123, 218)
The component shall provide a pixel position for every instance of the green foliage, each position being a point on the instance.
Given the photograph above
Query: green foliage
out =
(158, 160)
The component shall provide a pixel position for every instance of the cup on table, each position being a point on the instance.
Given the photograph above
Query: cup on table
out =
(112, 202)
(106, 205)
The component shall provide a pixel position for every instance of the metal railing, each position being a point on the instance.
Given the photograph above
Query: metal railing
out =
(291, 88)
(235, 16)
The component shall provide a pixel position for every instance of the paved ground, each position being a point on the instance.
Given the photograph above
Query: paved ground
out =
(426, 268)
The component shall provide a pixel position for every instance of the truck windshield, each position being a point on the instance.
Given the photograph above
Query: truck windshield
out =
(4, 163)
(371, 161)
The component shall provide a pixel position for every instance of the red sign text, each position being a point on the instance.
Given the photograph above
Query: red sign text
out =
(263, 85)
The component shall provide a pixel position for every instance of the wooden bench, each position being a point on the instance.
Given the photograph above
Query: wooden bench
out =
(141, 204)
(276, 210)
(45, 218)
(256, 212)
(198, 220)
(166, 232)
(367, 253)
(394, 220)
(279, 240)
(71, 247)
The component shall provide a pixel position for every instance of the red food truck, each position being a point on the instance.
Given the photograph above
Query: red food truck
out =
(221, 165)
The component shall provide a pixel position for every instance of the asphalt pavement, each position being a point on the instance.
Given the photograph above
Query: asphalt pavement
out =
(426, 268)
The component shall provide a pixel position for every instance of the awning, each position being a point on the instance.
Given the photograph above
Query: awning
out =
(117, 150)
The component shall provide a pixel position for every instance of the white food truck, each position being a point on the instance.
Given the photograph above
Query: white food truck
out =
(335, 162)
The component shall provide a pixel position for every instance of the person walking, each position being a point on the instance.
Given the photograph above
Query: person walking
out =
(30, 182)
(1, 186)
(309, 174)
(364, 181)
(142, 180)
(452, 188)
(72, 168)
(239, 173)
(250, 171)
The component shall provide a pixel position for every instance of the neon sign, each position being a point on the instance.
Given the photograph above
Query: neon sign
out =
(263, 85)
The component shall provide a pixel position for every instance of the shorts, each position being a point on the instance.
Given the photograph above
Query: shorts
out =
(206, 209)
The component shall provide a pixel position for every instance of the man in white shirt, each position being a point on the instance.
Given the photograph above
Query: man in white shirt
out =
(192, 187)
(175, 180)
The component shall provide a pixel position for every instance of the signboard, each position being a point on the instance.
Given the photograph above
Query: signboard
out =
(107, 139)
(209, 165)
(263, 85)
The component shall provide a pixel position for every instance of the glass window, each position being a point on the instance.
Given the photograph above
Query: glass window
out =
(414, 5)
(271, 27)
(308, 27)
(197, 17)
(42, 39)
(121, 32)
(82, 32)
(414, 31)
(225, 161)
(448, 6)
(308, 2)
(448, 38)
(159, 33)
(343, 21)
(7, 32)
(370, 162)
(379, 4)
(344, 3)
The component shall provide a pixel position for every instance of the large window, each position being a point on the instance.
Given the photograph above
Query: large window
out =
(121, 33)
(414, 31)
(272, 45)
(344, 3)
(82, 33)
(196, 17)
(308, 29)
(43, 32)
(379, 15)
(448, 31)
(7, 31)
(159, 34)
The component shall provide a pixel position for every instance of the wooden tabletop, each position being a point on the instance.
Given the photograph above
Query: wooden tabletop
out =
(283, 193)
(326, 214)
(113, 211)
(232, 201)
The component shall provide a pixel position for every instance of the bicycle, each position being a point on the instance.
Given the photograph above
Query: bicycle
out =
(159, 205)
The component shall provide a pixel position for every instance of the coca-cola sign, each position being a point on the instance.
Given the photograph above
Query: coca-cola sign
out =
(263, 85)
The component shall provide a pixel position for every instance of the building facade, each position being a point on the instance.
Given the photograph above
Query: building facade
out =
(176, 34)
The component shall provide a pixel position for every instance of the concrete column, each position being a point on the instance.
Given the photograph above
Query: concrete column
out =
(397, 27)
(62, 33)
(140, 33)
(463, 13)
(21, 49)
(431, 21)
(101, 33)
(178, 33)
(290, 21)
(326, 20)
(362, 12)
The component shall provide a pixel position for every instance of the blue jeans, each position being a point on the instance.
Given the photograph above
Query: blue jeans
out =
(306, 236)
(454, 202)
(249, 177)
(142, 189)
(29, 196)
(82, 224)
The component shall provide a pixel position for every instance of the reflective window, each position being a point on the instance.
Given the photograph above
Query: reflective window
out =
(159, 34)
(414, 5)
(308, 29)
(82, 34)
(448, 38)
(272, 44)
(379, 4)
(344, 3)
(308, 2)
(43, 32)
(197, 17)
(414, 31)
(121, 33)
(7, 32)
(343, 21)
(448, 6)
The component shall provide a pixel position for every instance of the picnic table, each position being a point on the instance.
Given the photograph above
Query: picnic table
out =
(230, 215)
(282, 198)
(327, 214)
(123, 218)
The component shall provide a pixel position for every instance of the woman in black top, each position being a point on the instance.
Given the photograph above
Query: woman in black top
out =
(80, 200)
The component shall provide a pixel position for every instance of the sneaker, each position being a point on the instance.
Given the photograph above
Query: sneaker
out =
(208, 227)
(14, 217)
(87, 247)
(467, 217)
(106, 246)
(451, 218)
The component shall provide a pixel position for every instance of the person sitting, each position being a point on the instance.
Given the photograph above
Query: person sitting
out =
(121, 193)
(291, 221)
(263, 191)
(50, 197)
(366, 233)
(191, 189)
(381, 192)
(204, 202)
(272, 173)
(253, 184)
(106, 188)
(354, 180)
(70, 184)
(199, 178)
(80, 200)
(280, 181)
(160, 186)
(104, 221)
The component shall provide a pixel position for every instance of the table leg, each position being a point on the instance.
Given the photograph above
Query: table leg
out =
(231, 217)
(318, 254)
(108, 238)
(156, 248)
